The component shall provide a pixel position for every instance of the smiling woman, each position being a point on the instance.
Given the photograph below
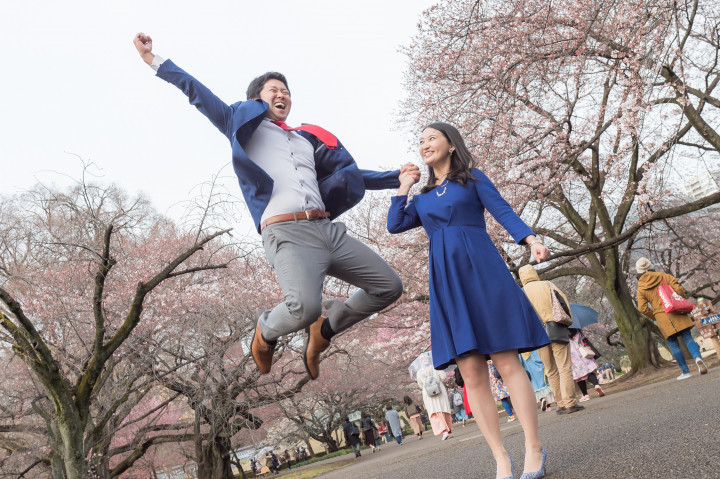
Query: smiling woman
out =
(477, 309)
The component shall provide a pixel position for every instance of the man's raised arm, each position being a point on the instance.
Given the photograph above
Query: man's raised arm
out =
(199, 96)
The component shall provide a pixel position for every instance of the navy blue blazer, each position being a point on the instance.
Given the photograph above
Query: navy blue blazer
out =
(342, 184)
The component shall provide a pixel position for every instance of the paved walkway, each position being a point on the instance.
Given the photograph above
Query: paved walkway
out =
(668, 429)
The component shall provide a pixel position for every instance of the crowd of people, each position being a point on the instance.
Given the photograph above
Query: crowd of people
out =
(296, 181)
(270, 463)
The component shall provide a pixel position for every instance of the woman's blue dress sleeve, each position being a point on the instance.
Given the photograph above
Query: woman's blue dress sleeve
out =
(400, 217)
(499, 208)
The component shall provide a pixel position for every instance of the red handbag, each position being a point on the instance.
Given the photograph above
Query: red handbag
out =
(673, 302)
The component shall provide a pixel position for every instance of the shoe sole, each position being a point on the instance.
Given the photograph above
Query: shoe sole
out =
(703, 369)
(305, 361)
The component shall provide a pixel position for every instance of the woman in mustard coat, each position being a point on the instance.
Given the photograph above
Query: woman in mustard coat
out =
(673, 326)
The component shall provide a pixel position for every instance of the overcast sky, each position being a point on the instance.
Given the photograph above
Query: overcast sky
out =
(74, 84)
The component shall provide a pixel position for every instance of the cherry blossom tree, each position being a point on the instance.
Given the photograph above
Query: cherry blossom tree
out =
(688, 247)
(588, 116)
(85, 276)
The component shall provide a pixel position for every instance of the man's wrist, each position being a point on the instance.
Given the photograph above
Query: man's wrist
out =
(157, 60)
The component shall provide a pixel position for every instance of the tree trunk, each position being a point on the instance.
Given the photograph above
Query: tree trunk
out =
(331, 442)
(238, 463)
(309, 447)
(214, 460)
(57, 466)
(71, 447)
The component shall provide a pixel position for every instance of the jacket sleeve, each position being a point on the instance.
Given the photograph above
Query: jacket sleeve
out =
(199, 96)
(672, 281)
(643, 304)
(499, 208)
(380, 180)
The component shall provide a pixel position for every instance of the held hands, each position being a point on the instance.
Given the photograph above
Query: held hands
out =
(143, 43)
(409, 175)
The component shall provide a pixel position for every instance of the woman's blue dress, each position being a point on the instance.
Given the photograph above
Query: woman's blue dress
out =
(475, 304)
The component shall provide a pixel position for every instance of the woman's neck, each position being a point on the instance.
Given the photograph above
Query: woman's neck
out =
(440, 176)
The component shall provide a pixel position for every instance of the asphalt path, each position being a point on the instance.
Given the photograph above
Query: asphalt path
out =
(668, 429)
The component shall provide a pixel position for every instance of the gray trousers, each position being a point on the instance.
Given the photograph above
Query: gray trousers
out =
(302, 254)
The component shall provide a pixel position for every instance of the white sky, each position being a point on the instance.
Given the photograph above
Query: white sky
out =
(74, 84)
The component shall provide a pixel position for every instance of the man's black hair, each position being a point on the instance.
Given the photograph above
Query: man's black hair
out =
(256, 86)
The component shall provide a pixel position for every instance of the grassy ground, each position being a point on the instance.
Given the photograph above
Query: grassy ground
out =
(316, 470)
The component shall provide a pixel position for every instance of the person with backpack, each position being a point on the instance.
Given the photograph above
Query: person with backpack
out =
(551, 305)
(458, 406)
(435, 399)
(352, 435)
(674, 326)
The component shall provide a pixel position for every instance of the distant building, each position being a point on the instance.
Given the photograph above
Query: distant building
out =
(703, 184)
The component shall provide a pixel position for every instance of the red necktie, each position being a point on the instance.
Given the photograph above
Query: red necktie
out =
(320, 133)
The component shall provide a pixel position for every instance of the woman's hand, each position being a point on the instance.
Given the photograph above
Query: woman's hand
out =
(539, 252)
(409, 175)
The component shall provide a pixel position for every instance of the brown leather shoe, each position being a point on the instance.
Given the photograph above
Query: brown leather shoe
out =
(315, 344)
(262, 352)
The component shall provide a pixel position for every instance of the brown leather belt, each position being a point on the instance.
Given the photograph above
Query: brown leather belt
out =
(302, 215)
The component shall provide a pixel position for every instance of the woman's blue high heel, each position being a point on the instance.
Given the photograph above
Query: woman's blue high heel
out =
(539, 473)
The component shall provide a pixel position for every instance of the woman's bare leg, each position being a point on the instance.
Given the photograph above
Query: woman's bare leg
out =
(523, 399)
(482, 403)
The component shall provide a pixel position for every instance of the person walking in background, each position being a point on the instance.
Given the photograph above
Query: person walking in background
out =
(273, 463)
(352, 435)
(413, 411)
(393, 419)
(435, 399)
(459, 409)
(288, 458)
(457, 405)
(499, 390)
(556, 355)
(451, 397)
(384, 433)
(295, 181)
(584, 365)
(368, 429)
(675, 327)
(536, 370)
(476, 308)
(608, 371)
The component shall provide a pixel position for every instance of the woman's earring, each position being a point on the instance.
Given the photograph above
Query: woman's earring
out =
(451, 151)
